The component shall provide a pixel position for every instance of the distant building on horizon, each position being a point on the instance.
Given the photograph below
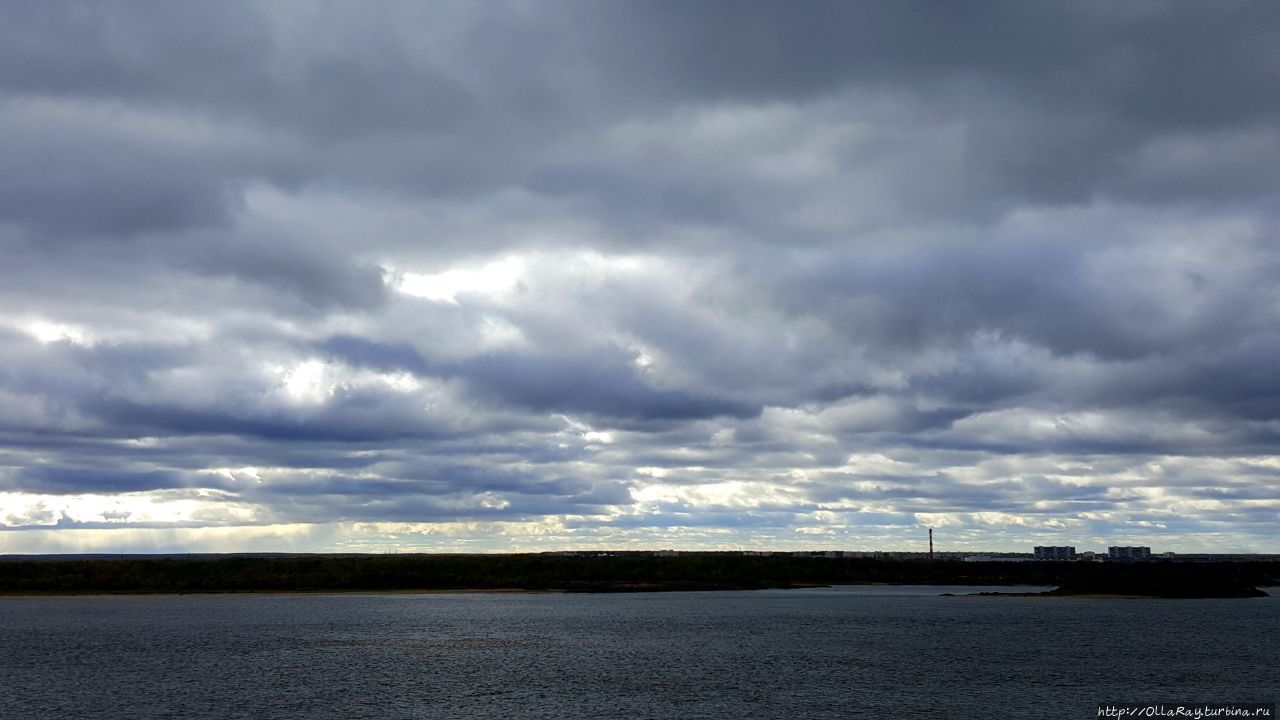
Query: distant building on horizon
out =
(1055, 552)
(1128, 552)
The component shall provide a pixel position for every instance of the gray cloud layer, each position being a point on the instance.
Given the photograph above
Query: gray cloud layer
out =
(536, 275)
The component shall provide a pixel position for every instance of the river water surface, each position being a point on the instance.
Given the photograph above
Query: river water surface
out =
(845, 652)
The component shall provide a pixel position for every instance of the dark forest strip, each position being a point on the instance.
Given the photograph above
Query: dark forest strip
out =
(620, 572)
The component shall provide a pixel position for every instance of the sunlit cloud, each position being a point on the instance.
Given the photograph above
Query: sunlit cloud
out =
(491, 279)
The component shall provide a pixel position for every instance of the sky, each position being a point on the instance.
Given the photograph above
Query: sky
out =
(523, 276)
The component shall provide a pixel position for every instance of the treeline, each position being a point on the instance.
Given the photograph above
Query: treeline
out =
(1169, 580)
(615, 572)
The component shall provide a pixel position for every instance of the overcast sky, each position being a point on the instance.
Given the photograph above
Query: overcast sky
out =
(545, 275)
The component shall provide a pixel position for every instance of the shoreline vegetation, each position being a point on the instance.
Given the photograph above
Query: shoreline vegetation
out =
(610, 572)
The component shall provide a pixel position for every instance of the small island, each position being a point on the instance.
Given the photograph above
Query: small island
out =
(1155, 580)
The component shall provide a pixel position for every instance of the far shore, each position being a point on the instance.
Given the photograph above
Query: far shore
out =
(1053, 596)
(617, 573)
(1047, 595)
(320, 591)
(488, 591)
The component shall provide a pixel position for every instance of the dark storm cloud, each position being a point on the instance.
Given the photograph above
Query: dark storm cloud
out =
(605, 386)
(1129, 60)
(363, 352)
(60, 480)
(634, 267)
(1054, 292)
(1057, 104)
(425, 490)
(1076, 93)
(103, 183)
(319, 280)
(346, 420)
(940, 493)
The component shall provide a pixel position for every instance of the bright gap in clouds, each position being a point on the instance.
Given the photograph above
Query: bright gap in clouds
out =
(49, 332)
(161, 507)
(496, 277)
(549, 269)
